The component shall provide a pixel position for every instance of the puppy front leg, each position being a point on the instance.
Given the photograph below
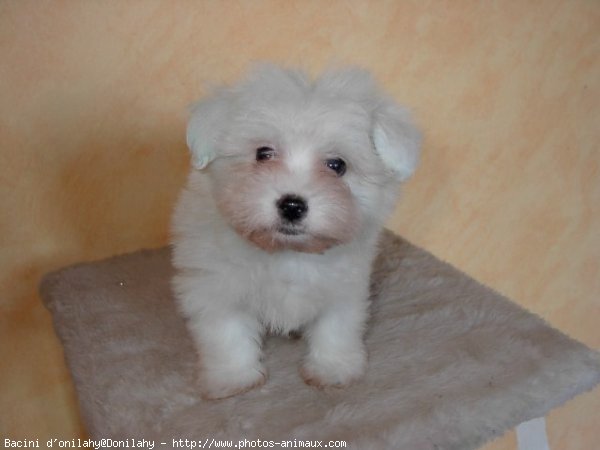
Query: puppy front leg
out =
(229, 345)
(337, 355)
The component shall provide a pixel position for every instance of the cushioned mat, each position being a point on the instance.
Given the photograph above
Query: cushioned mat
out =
(452, 364)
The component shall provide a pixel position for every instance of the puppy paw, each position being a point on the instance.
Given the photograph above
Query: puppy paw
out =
(334, 372)
(217, 385)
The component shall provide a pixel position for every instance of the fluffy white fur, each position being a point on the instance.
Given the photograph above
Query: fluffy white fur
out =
(243, 268)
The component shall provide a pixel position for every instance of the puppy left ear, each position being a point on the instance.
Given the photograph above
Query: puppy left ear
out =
(396, 140)
(204, 128)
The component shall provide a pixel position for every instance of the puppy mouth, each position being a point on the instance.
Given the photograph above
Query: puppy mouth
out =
(291, 237)
(290, 230)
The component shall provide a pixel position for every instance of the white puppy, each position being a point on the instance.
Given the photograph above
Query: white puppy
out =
(277, 228)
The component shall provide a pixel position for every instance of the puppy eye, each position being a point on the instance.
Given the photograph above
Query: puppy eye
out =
(264, 153)
(337, 165)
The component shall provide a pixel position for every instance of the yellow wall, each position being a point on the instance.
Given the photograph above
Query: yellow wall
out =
(93, 100)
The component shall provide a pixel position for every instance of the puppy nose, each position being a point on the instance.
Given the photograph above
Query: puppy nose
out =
(292, 208)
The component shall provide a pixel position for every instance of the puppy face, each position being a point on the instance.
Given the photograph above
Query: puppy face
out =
(294, 164)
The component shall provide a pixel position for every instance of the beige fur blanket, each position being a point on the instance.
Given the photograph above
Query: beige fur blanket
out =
(452, 364)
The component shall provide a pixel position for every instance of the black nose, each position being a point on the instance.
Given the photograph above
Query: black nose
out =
(292, 208)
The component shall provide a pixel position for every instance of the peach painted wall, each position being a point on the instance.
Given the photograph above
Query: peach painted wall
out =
(93, 100)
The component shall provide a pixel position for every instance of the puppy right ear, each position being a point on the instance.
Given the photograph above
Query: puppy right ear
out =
(396, 140)
(204, 127)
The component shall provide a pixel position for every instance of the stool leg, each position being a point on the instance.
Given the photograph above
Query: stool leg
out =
(531, 435)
